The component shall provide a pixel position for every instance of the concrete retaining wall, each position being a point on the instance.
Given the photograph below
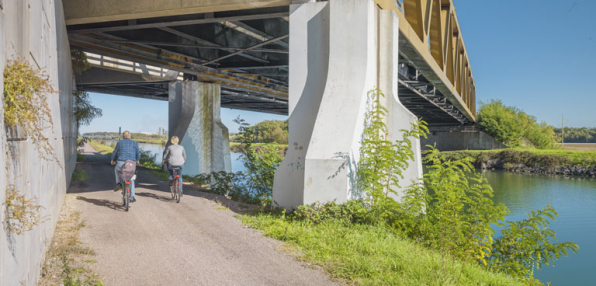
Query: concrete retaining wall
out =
(36, 32)
(458, 140)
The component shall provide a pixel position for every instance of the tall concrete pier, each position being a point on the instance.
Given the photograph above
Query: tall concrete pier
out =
(194, 116)
(340, 51)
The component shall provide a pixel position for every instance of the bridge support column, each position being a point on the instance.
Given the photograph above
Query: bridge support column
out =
(340, 51)
(194, 116)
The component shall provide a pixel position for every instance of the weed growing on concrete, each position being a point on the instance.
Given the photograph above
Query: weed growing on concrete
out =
(22, 214)
(67, 260)
(26, 104)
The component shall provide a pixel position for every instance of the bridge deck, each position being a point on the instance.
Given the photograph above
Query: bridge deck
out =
(247, 52)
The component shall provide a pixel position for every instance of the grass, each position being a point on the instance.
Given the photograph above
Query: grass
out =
(101, 148)
(531, 157)
(235, 146)
(152, 141)
(67, 258)
(579, 146)
(371, 255)
(161, 175)
(81, 157)
(79, 175)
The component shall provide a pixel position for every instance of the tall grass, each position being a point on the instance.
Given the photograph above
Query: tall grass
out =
(371, 254)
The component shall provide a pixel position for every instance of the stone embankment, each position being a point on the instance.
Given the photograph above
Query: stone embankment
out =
(524, 169)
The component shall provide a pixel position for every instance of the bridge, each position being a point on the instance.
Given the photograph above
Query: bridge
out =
(313, 61)
(246, 51)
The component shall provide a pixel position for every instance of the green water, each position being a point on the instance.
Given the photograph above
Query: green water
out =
(574, 200)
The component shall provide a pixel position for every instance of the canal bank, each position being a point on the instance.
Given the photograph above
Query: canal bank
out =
(531, 161)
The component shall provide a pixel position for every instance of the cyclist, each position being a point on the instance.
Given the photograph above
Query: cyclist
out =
(175, 156)
(126, 149)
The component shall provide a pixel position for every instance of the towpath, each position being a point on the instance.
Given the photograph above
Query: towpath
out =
(160, 242)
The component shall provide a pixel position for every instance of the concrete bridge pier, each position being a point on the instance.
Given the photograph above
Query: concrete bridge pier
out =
(194, 116)
(340, 51)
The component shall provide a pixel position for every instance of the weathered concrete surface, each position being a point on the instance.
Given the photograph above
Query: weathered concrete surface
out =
(462, 139)
(336, 59)
(35, 31)
(399, 117)
(194, 116)
(308, 74)
(160, 242)
(92, 11)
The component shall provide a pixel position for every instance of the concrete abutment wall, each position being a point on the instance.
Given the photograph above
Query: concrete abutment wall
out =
(460, 138)
(35, 31)
(340, 51)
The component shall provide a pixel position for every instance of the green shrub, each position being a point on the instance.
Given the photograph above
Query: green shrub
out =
(527, 245)
(510, 125)
(147, 159)
(260, 164)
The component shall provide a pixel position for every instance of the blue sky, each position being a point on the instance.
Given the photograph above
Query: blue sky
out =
(537, 55)
(145, 115)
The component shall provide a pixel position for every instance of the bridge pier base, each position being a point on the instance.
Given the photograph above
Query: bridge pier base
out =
(340, 51)
(194, 116)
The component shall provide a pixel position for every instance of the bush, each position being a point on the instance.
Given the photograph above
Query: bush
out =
(260, 164)
(510, 125)
(147, 159)
(452, 211)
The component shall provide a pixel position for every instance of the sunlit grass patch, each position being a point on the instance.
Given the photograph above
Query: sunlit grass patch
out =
(79, 175)
(371, 255)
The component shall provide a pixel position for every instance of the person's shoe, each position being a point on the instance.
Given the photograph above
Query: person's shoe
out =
(117, 187)
(132, 199)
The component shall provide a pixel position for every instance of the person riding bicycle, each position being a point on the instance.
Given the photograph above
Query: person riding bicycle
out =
(126, 149)
(175, 156)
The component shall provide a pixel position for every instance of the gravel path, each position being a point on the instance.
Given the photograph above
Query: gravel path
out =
(160, 242)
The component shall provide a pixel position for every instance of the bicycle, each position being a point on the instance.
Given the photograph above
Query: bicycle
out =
(176, 188)
(126, 192)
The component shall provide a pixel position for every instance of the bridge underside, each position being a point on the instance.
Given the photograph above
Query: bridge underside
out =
(245, 51)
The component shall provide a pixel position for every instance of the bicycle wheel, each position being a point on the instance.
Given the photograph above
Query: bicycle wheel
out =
(178, 187)
(126, 194)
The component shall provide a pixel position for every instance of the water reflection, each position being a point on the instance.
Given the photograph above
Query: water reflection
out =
(574, 200)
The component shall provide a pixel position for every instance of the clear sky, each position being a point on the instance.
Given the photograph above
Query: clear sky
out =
(146, 115)
(537, 55)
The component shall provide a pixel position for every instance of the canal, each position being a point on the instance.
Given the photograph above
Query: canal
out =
(575, 201)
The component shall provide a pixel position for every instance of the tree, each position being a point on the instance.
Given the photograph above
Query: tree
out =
(83, 110)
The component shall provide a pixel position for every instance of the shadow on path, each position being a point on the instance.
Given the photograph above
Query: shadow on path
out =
(103, 203)
(154, 196)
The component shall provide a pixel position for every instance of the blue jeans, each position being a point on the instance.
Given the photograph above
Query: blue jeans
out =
(170, 167)
(119, 165)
